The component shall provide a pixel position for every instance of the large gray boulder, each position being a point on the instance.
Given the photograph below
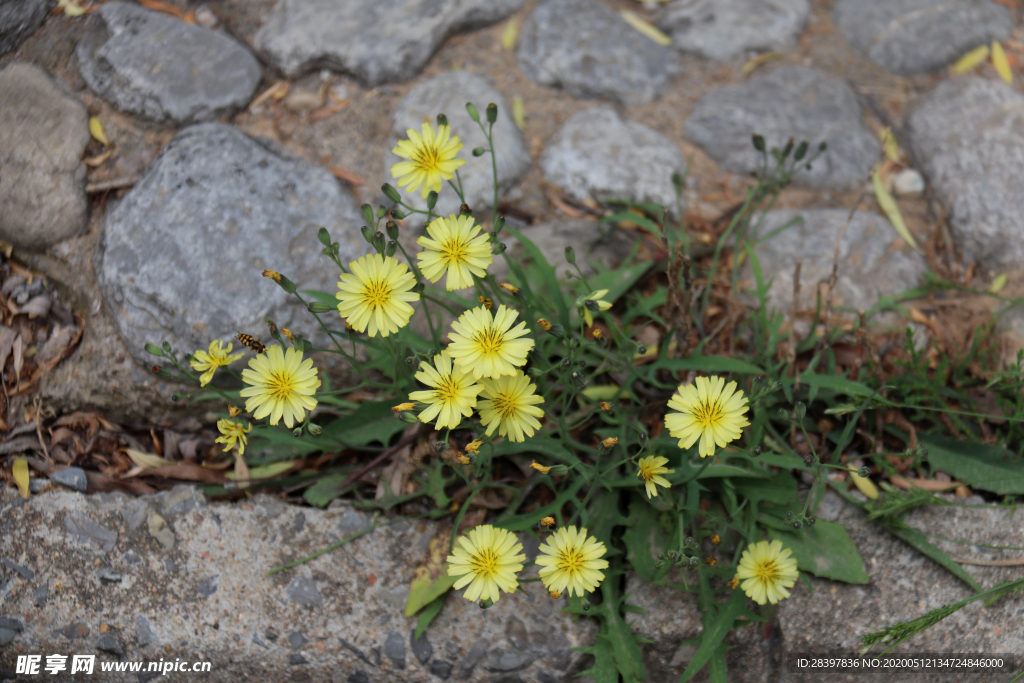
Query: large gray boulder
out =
(43, 132)
(913, 36)
(726, 29)
(967, 136)
(153, 65)
(377, 41)
(182, 254)
(791, 102)
(19, 19)
(588, 50)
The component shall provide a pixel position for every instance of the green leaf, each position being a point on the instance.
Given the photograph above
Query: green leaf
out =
(620, 280)
(324, 491)
(266, 471)
(370, 422)
(544, 445)
(708, 364)
(649, 535)
(989, 468)
(836, 383)
(322, 297)
(824, 550)
(427, 615)
(430, 581)
(603, 670)
(716, 627)
(547, 273)
(917, 540)
(780, 489)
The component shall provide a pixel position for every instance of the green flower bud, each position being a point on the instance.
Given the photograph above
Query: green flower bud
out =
(694, 562)
(642, 349)
(479, 151)
(367, 233)
(398, 214)
(392, 229)
(155, 350)
(315, 429)
(324, 237)
(319, 307)
(801, 151)
(797, 524)
(380, 212)
(492, 113)
(800, 410)
(499, 224)
(367, 212)
(864, 472)
(758, 142)
(408, 418)
(297, 432)
(498, 248)
(570, 255)
(378, 242)
(440, 446)
(390, 192)
(788, 148)
(473, 113)
(810, 521)
(486, 604)
(642, 438)
(442, 120)
(391, 248)
(677, 182)
(557, 330)
(755, 452)
(431, 199)
(175, 397)
(558, 470)
(167, 347)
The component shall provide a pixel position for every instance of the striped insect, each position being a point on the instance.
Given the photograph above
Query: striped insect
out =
(252, 342)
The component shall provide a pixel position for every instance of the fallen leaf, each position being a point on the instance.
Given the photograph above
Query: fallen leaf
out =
(998, 283)
(509, 35)
(145, 460)
(71, 8)
(264, 471)
(329, 110)
(1000, 63)
(18, 348)
(645, 28)
(927, 484)
(188, 471)
(865, 485)
(96, 130)
(889, 144)
(276, 92)
(760, 60)
(93, 162)
(519, 112)
(892, 210)
(158, 6)
(346, 175)
(430, 581)
(241, 473)
(20, 471)
(562, 206)
(971, 59)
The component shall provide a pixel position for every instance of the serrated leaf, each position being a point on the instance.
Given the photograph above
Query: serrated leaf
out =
(892, 210)
(716, 627)
(430, 581)
(519, 112)
(1000, 62)
(20, 471)
(603, 669)
(971, 59)
(324, 491)
(645, 28)
(96, 129)
(981, 466)
(824, 550)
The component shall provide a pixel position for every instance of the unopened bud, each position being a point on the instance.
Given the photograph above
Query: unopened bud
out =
(442, 120)
(485, 604)
(512, 289)
(297, 432)
(758, 142)
(755, 452)
(694, 561)
(402, 407)
(715, 539)
(801, 151)
(175, 397)
(391, 193)
(808, 460)
(408, 418)
(431, 199)
(797, 524)
(492, 112)
(499, 224)
(642, 438)
(465, 210)
(440, 446)
(710, 561)
(800, 410)
(547, 521)
(324, 237)
(367, 212)
(391, 248)
(398, 214)
(641, 349)
(154, 349)
(864, 472)
(558, 470)
(734, 583)
(479, 151)
(498, 248)
(810, 521)
(367, 233)
(540, 468)
(315, 429)
(319, 307)
(570, 255)
(392, 229)
(473, 113)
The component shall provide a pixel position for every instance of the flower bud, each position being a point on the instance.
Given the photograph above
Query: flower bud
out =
(464, 210)
(473, 113)
(606, 406)
(570, 255)
(367, 233)
(498, 248)
(511, 289)
(398, 214)
(755, 452)
(324, 237)
(297, 432)
(710, 561)
(378, 241)
(543, 324)
(715, 539)
(864, 472)
(319, 307)
(154, 349)
(492, 113)
(547, 521)
(758, 142)
(442, 120)
(479, 151)
(486, 302)
(160, 372)
(671, 554)
(499, 225)
(440, 446)
(694, 561)
(315, 429)
(431, 199)
(557, 330)
(486, 604)
(408, 418)
(166, 346)
(800, 410)
(788, 148)
(558, 470)
(286, 284)
(175, 397)
(809, 460)
(797, 524)
(734, 583)
(392, 229)
(402, 407)
(391, 248)
(578, 379)
(810, 521)
(641, 349)
(823, 146)
(688, 542)
(642, 438)
(367, 212)
(391, 193)
(801, 151)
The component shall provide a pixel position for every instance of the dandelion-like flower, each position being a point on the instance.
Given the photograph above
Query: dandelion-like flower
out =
(650, 468)
(431, 159)
(376, 294)
(709, 410)
(510, 406)
(766, 570)
(216, 357)
(596, 301)
(282, 385)
(486, 560)
(455, 246)
(573, 561)
(233, 432)
(489, 346)
(453, 395)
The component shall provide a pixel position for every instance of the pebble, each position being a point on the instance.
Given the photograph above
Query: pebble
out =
(507, 660)
(441, 669)
(208, 586)
(86, 530)
(296, 640)
(25, 572)
(134, 513)
(42, 592)
(75, 630)
(915, 36)
(421, 648)
(304, 35)
(112, 643)
(71, 477)
(726, 29)
(109, 575)
(908, 183)
(588, 50)
(598, 155)
(158, 529)
(790, 102)
(394, 649)
(12, 624)
(295, 659)
(181, 499)
(261, 210)
(358, 677)
(966, 137)
(448, 94)
(143, 631)
(351, 519)
(515, 633)
(18, 20)
(131, 558)
(7, 635)
(303, 591)
(154, 65)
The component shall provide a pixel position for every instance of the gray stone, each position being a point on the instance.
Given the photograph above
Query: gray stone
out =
(131, 558)
(913, 36)
(295, 659)
(967, 136)
(151, 64)
(791, 102)
(870, 267)
(72, 477)
(588, 50)
(302, 35)
(19, 19)
(394, 649)
(134, 513)
(448, 94)
(86, 530)
(143, 631)
(12, 624)
(6, 635)
(726, 29)
(217, 190)
(296, 640)
(507, 660)
(421, 647)
(112, 643)
(908, 183)
(397, 597)
(42, 592)
(441, 669)
(298, 523)
(515, 633)
(181, 499)
(553, 237)
(599, 155)
(352, 520)
(303, 591)
(208, 586)
(25, 572)
(108, 575)
(358, 677)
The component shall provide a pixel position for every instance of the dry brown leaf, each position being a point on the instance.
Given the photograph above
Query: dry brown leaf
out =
(906, 483)
(346, 175)
(7, 336)
(145, 460)
(241, 472)
(562, 206)
(158, 6)
(276, 92)
(37, 307)
(329, 110)
(93, 162)
(18, 348)
(188, 471)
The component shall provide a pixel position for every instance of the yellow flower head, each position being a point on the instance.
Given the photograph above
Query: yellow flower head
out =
(598, 302)
(572, 561)
(431, 159)
(474, 446)
(766, 571)
(453, 394)
(510, 406)
(606, 406)
(544, 325)
(210, 360)
(234, 411)
(282, 385)
(509, 288)
(650, 468)
(540, 468)
(233, 431)
(547, 521)
(402, 407)
(709, 410)
(489, 346)
(455, 246)
(487, 560)
(554, 595)
(611, 442)
(377, 294)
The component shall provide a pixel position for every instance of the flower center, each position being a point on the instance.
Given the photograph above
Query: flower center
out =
(377, 293)
(767, 571)
(709, 413)
(489, 340)
(280, 385)
(428, 158)
(485, 562)
(448, 390)
(505, 405)
(454, 250)
(570, 560)
(647, 472)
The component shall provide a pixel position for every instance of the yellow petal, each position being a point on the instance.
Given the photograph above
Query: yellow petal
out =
(645, 28)
(889, 144)
(997, 284)
(971, 59)
(96, 129)
(1000, 62)
(20, 470)
(509, 35)
(519, 113)
(866, 486)
(892, 211)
